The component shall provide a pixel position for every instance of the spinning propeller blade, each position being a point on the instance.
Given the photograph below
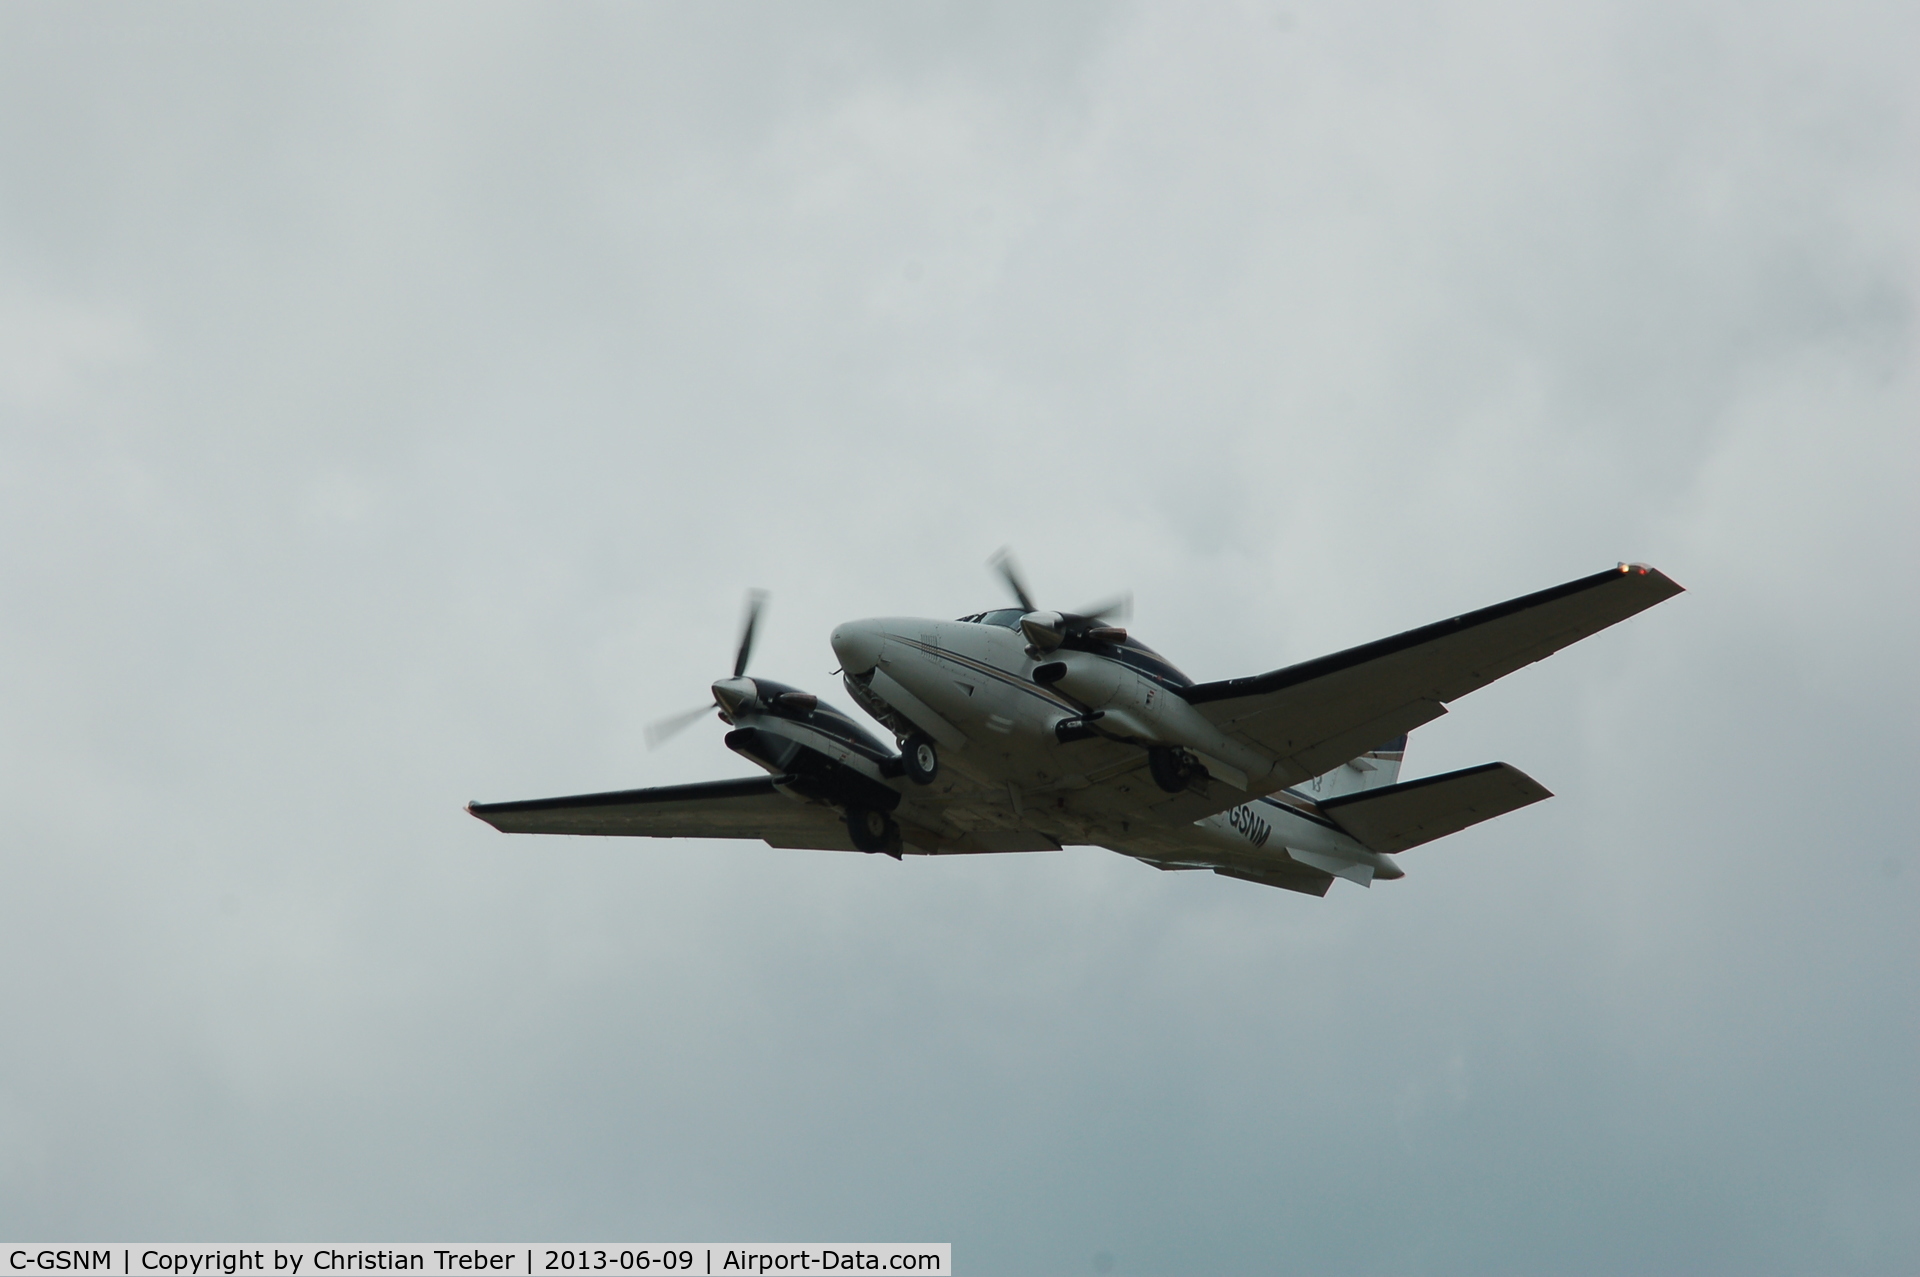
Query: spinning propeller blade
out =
(756, 600)
(1004, 561)
(1117, 608)
(662, 730)
(1048, 630)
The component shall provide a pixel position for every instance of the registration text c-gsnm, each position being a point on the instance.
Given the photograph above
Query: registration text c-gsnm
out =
(60, 1261)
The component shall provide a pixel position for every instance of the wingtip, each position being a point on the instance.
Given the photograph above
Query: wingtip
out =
(1647, 569)
(478, 811)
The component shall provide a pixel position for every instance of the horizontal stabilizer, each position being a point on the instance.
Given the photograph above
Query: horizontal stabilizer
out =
(1402, 816)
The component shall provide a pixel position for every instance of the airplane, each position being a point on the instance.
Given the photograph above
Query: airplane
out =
(1023, 729)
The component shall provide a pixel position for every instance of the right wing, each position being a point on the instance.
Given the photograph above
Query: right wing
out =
(747, 808)
(1316, 715)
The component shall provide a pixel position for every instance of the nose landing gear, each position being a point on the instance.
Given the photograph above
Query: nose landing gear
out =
(920, 760)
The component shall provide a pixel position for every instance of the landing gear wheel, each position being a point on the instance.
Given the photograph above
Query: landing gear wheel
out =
(1174, 770)
(920, 760)
(873, 831)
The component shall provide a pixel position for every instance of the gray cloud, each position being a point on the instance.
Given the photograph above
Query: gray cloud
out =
(395, 403)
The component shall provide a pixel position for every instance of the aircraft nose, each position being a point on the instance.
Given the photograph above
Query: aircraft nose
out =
(857, 644)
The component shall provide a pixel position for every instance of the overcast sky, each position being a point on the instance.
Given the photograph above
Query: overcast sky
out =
(397, 402)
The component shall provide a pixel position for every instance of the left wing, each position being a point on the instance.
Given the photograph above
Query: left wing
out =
(747, 808)
(751, 807)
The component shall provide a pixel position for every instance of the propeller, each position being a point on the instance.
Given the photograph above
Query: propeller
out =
(662, 730)
(1003, 560)
(1047, 630)
(1117, 608)
(756, 601)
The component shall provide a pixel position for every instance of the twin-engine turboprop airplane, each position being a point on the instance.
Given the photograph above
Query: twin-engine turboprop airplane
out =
(1024, 729)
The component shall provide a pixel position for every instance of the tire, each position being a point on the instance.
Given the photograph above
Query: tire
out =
(1172, 769)
(920, 760)
(873, 830)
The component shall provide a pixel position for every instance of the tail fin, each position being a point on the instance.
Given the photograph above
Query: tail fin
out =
(1375, 769)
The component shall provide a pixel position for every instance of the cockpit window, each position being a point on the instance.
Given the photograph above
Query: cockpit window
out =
(1005, 617)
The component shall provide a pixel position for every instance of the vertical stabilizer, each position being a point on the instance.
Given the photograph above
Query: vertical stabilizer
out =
(1374, 769)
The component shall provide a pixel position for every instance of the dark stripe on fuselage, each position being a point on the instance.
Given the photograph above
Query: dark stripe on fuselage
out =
(992, 671)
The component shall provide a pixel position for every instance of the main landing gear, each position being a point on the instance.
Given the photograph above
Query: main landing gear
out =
(1174, 770)
(919, 759)
(873, 831)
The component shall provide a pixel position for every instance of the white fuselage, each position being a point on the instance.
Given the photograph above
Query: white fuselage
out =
(970, 687)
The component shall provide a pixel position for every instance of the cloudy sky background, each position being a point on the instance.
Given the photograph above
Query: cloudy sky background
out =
(396, 402)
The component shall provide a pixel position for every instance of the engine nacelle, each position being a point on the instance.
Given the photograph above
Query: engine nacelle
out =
(1135, 707)
(810, 773)
(1093, 681)
(813, 750)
